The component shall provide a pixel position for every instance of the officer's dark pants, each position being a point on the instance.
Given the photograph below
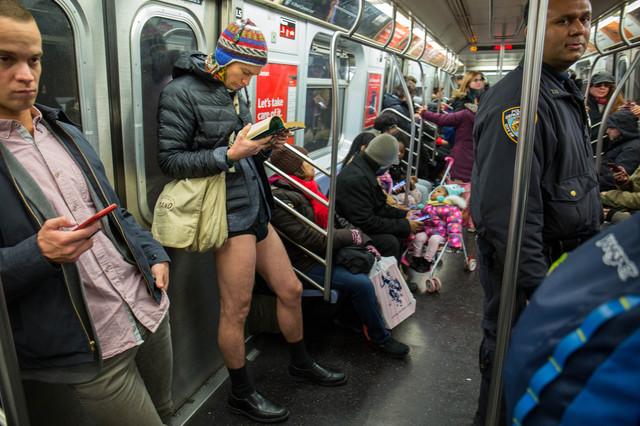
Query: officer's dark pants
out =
(491, 271)
(387, 244)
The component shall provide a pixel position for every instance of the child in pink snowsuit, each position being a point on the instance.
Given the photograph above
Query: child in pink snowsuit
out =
(444, 221)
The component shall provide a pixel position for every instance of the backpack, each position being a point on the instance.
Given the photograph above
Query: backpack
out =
(573, 357)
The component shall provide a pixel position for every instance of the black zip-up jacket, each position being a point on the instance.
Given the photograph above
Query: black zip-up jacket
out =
(52, 330)
(563, 200)
(361, 200)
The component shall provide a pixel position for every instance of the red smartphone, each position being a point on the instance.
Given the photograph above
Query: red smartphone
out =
(96, 216)
(614, 167)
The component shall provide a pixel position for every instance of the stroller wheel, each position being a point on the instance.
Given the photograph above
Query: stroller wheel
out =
(431, 285)
(470, 265)
(437, 284)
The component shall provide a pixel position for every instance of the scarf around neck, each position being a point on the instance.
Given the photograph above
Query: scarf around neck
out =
(321, 212)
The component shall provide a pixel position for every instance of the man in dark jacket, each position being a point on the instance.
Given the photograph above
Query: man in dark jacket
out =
(87, 308)
(563, 206)
(397, 101)
(361, 200)
(622, 147)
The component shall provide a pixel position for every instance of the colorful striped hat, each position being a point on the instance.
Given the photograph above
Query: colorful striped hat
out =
(242, 41)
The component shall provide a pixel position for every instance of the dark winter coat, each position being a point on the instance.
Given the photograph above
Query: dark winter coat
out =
(624, 151)
(563, 200)
(300, 232)
(361, 200)
(390, 101)
(196, 116)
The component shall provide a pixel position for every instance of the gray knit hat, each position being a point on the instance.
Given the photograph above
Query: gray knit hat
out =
(602, 77)
(383, 149)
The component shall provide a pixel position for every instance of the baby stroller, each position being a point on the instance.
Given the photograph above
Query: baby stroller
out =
(427, 281)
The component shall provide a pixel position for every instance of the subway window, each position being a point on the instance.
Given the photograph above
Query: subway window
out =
(161, 41)
(319, 98)
(58, 86)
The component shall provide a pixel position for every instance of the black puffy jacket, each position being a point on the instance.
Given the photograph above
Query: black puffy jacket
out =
(196, 116)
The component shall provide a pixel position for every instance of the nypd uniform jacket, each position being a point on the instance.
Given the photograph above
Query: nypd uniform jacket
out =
(563, 200)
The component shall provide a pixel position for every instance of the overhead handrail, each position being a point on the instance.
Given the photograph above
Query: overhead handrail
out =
(609, 107)
(392, 32)
(355, 37)
(623, 34)
(602, 54)
(410, 38)
(521, 176)
(11, 390)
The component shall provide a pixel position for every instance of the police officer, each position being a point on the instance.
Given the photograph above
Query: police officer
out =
(563, 207)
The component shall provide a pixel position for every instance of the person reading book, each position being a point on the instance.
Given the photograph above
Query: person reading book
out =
(198, 111)
(272, 125)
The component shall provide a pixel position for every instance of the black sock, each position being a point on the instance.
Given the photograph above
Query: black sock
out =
(299, 356)
(241, 385)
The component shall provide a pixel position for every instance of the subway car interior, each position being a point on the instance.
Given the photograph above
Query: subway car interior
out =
(330, 63)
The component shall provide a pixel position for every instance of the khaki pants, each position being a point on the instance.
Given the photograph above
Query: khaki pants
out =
(134, 387)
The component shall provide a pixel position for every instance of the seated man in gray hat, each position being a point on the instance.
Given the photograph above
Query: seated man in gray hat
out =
(361, 200)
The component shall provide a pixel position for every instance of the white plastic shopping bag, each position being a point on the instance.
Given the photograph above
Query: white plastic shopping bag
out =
(394, 298)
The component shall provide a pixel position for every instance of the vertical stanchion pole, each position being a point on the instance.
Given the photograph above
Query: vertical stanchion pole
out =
(524, 154)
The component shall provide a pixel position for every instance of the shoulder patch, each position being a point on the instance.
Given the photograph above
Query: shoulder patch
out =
(511, 122)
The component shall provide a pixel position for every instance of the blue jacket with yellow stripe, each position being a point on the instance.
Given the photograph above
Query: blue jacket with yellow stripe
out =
(563, 199)
(573, 357)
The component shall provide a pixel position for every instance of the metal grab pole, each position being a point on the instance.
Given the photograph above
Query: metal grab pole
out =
(11, 391)
(335, 136)
(524, 155)
(413, 126)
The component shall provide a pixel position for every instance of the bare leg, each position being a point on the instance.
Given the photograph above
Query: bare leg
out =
(273, 264)
(235, 262)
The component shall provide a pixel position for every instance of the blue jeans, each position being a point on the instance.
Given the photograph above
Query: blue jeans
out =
(363, 296)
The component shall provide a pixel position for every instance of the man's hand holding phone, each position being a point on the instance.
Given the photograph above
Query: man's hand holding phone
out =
(58, 245)
(619, 173)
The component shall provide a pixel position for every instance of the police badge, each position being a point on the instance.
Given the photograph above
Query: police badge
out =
(511, 122)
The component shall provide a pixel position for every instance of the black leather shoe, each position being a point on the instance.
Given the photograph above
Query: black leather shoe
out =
(392, 348)
(318, 374)
(258, 408)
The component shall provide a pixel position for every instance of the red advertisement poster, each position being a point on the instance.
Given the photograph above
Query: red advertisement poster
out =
(374, 86)
(276, 92)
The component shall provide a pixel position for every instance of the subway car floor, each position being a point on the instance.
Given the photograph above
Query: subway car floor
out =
(436, 384)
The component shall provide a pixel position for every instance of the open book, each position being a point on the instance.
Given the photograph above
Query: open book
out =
(272, 125)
